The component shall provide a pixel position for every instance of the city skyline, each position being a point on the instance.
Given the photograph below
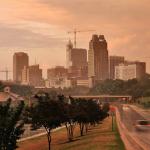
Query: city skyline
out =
(23, 27)
(44, 70)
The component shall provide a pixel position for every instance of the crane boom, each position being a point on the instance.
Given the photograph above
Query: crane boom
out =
(75, 34)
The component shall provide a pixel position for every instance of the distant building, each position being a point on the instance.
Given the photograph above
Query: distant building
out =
(20, 59)
(76, 61)
(25, 73)
(78, 73)
(32, 75)
(114, 61)
(98, 58)
(57, 77)
(84, 83)
(130, 70)
(58, 71)
(7, 94)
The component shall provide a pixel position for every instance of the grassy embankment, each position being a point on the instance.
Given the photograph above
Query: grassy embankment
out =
(98, 138)
(145, 102)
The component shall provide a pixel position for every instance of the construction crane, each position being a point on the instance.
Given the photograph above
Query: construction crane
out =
(75, 34)
(6, 71)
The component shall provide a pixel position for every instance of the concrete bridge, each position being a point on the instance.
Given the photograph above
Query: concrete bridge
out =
(123, 97)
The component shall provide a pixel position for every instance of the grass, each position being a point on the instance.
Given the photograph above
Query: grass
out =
(145, 102)
(118, 139)
(100, 137)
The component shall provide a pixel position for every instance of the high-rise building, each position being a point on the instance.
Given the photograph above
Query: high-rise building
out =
(114, 61)
(32, 75)
(98, 58)
(76, 61)
(20, 59)
(35, 75)
(130, 70)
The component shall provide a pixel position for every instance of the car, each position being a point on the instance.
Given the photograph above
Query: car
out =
(125, 107)
(142, 125)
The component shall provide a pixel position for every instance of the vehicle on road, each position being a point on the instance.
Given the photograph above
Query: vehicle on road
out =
(142, 125)
(125, 107)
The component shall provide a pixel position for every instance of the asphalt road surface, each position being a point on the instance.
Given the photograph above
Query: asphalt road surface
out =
(128, 118)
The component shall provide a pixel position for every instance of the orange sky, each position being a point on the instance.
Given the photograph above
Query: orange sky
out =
(40, 27)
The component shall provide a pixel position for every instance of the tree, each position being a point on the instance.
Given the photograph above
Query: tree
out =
(82, 114)
(11, 125)
(46, 113)
(104, 110)
(69, 114)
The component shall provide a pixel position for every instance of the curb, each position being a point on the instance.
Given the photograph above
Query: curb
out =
(130, 141)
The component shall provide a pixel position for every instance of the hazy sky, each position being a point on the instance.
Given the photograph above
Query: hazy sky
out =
(39, 27)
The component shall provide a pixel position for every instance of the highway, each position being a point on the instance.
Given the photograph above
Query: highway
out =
(128, 118)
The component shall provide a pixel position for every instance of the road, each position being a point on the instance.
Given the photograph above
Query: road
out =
(128, 118)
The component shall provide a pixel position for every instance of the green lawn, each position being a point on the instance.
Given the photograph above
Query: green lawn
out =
(100, 137)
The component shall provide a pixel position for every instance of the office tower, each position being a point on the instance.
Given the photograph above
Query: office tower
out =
(76, 61)
(35, 75)
(98, 58)
(130, 70)
(114, 61)
(20, 59)
(32, 75)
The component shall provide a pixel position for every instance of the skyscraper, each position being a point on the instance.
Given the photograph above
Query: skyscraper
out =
(76, 60)
(114, 61)
(20, 59)
(98, 58)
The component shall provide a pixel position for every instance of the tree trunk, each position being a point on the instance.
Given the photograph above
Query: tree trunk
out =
(86, 127)
(81, 129)
(49, 139)
(69, 131)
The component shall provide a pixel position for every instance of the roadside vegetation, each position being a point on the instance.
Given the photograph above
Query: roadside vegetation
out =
(144, 102)
(69, 112)
(135, 88)
(99, 137)
(49, 111)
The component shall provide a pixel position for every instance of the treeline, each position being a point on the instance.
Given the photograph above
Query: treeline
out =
(68, 112)
(22, 90)
(50, 112)
(134, 87)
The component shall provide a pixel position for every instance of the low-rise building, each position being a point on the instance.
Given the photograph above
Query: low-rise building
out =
(113, 62)
(7, 94)
(130, 70)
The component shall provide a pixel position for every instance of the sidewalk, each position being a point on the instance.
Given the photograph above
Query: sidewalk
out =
(38, 135)
(143, 112)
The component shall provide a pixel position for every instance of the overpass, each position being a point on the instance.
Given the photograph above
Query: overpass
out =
(127, 97)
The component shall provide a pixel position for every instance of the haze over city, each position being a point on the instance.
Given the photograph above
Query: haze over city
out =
(74, 75)
(39, 27)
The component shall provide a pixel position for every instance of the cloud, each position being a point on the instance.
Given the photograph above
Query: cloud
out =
(22, 38)
(44, 23)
